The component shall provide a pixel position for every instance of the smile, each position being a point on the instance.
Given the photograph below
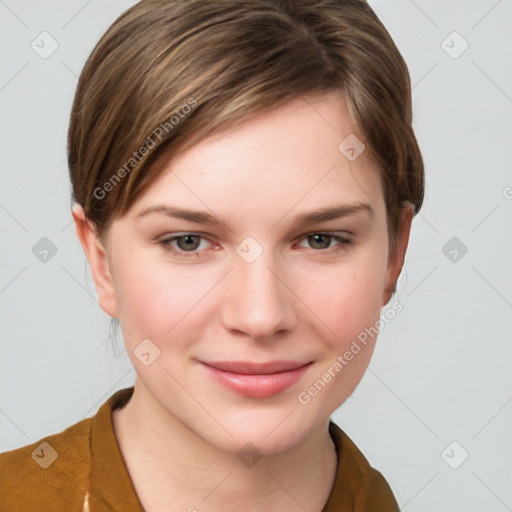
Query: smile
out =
(257, 380)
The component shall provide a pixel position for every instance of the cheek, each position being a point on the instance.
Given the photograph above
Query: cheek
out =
(346, 297)
(346, 300)
(349, 304)
(155, 296)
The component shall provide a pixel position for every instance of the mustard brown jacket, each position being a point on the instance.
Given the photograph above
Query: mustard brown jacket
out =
(82, 469)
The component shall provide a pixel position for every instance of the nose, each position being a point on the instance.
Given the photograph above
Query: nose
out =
(259, 301)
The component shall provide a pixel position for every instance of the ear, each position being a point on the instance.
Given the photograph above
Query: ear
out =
(395, 264)
(98, 261)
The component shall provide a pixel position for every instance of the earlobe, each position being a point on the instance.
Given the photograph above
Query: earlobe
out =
(98, 261)
(395, 264)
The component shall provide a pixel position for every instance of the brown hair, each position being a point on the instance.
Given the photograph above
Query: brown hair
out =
(168, 73)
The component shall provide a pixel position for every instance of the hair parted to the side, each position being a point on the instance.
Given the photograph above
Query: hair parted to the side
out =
(168, 73)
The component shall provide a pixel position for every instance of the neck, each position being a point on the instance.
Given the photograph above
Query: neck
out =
(173, 468)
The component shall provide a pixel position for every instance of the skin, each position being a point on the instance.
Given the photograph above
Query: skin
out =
(180, 432)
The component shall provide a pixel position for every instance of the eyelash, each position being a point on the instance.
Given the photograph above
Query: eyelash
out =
(166, 244)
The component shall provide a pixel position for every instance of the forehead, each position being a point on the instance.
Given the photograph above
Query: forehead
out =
(291, 158)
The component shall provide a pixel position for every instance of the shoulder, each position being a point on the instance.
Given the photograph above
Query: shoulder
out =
(355, 477)
(53, 471)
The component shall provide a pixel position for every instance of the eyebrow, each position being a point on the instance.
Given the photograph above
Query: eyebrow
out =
(202, 217)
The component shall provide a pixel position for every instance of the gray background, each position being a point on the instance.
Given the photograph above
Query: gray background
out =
(441, 372)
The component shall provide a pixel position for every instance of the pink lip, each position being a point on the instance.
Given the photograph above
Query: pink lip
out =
(257, 380)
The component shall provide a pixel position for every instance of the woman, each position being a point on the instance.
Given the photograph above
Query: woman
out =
(244, 179)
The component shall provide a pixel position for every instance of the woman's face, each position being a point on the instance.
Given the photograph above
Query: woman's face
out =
(249, 281)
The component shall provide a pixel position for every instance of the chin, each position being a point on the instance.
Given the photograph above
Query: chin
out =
(267, 435)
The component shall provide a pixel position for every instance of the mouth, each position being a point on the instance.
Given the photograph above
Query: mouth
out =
(257, 380)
